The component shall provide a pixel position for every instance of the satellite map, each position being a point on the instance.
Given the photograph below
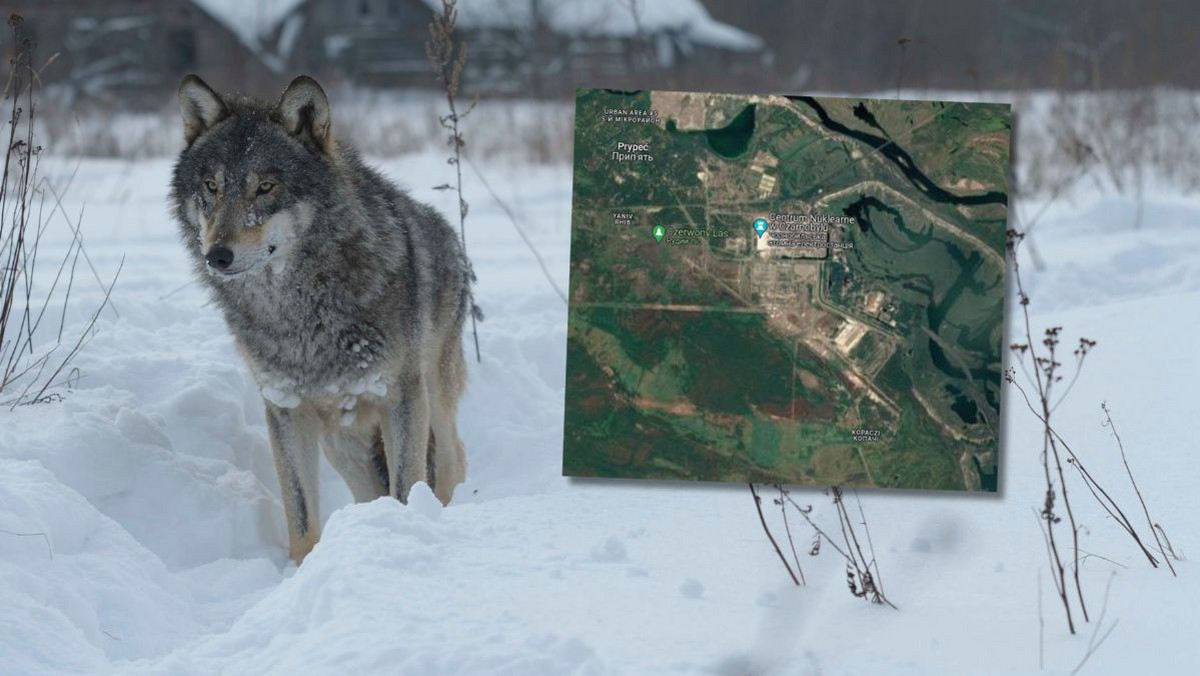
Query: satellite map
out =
(786, 290)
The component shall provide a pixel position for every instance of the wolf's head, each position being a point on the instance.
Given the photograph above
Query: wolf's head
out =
(253, 174)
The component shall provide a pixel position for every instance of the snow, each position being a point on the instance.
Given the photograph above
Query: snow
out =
(251, 20)
(284, 392)
(152, 541)
(608, 18)
(282, 396)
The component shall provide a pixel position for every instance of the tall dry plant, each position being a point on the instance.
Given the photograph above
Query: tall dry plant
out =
(1045, 374)
(448, 54)
(29, 369)
(863, 578)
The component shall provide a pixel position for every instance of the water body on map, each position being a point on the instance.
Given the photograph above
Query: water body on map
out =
(856, 340)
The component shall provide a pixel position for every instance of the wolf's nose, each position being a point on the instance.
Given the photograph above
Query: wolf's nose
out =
(219, 257)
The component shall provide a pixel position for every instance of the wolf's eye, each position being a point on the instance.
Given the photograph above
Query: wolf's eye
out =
(211, 185)
(265, 187)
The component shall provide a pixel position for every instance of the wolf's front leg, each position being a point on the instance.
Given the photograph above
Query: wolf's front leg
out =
(406, 434)
(294, 434)
(358, 455)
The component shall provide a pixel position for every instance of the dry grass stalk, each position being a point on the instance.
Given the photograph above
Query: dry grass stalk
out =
(1155, 529)
(27, 370)
(1046, 374)
(448, 55)
(1056, 451)
(862, 569)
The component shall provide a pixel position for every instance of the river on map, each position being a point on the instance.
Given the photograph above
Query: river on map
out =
(900, 157)
(968, 263)
(889, 234)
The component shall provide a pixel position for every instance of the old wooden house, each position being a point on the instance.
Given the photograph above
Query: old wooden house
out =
(136, 50)
(531, 47)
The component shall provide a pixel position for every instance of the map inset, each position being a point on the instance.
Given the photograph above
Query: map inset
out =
(786, 290)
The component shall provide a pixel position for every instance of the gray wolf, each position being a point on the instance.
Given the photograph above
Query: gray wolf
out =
(345, 296)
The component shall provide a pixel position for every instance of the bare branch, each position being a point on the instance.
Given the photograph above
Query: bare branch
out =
(447, 55)
(46, 538)
(762, 519)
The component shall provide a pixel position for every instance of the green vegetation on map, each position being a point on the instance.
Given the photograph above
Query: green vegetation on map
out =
(820, 300)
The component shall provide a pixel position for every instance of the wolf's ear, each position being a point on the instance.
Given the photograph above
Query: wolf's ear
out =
(200, 106)
(304, 112)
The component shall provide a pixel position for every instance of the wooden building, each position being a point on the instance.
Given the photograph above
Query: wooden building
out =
(137, 50)
(521, 47)
(134, 50)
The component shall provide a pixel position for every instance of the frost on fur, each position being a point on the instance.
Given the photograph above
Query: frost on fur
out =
(350, 392)
(281, 397)
(287, 393)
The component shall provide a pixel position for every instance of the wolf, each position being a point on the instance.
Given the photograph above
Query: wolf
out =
(345, 296)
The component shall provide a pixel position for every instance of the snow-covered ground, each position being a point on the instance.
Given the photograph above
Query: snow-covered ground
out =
(164, 549)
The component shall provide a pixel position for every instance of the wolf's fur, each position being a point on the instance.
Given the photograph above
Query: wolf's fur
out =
(345, 296)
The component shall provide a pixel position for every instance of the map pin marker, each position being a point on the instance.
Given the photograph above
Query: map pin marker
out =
(760, 226)
(659, 233)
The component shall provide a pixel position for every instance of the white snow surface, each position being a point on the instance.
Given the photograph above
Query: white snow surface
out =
(143, 532)
(250, 20)
(612, 18)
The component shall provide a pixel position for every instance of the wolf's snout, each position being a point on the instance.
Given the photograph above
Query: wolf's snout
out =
(219, 257)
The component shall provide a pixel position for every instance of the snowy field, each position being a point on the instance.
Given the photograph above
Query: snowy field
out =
(164, 550)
